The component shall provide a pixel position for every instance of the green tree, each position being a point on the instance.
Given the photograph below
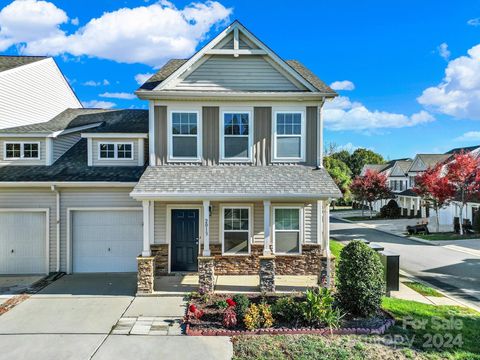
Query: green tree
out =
(361, 157)
(343, 156)
(340, 173)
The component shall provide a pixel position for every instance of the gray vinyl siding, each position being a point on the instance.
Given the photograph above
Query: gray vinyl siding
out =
(310, 222)
(160, 223)
(242, 43)
(62, 143)
(243, 73)
(114, 162)
(41, 161)
(262, 135)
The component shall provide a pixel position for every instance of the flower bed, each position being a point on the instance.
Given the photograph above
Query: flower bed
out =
(212, 316)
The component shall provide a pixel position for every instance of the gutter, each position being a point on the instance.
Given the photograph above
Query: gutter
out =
(66, 184)
(222, 197)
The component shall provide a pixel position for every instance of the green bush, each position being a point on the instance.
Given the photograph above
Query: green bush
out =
(391, 210)
(242, 305)
(318, 308)
(360, 279)
(288, 310)
(221, 304)
(476, 222)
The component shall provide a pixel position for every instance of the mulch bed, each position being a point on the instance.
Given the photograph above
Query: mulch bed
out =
(211, 322)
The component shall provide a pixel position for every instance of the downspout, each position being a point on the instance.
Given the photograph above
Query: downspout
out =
(319, 141)
(57, 220)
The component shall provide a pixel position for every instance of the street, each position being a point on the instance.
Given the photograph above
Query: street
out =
(456, 273)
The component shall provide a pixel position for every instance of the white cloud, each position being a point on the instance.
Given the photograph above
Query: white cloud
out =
(118, 95)
(469, 136)
(29, 21)
(342, 85)
(443, 51)
(458, 94)
(343, 114)
(148, 34)
(348, 147)
(104, 82)
(75, 21)
(141, 78)
(98, 104)
(474, 22)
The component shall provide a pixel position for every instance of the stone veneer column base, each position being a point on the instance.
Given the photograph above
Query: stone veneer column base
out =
(267, 273)
(206, 274)
(322, 279)
(145, 274)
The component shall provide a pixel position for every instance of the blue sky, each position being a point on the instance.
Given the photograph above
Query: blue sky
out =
(391, 52)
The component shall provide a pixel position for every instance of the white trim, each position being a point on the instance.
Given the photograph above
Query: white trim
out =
(115, 135)
(47, 230)
(236, 53)
(146, 241)
(249, 207)
(72, 130)
(141, 152)
(206, 227)
(267, 227)
(225, 197)
(115, 150)
(89, 152)
(22, 150)
(320, 136)
(67, 184)
(221, 134)
(303, 138)
(236, 41)
(198, 136)
(168, 231)
(320, 239)
(151, 133)
(238, 95)
(300, 225)
(48, 151)
(69, 227)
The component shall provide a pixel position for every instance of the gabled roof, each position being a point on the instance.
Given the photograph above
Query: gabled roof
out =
(400, 167)
(8, 62)
(172, 71)
(460, 149)
(122, 121)
(373, 167)
(424, 161)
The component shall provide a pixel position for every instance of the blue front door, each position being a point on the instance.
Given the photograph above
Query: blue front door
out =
(184, 240)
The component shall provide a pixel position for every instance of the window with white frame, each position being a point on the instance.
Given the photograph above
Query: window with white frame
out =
(115, 151)
(289, 135)
(287, 222)
(236, 230)
(236, 136)
(184, 132)
(22, 150)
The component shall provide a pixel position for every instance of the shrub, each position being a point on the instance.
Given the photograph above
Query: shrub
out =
(242, 303)
(229, 317)
(221, 304)
(287, 309)
(252, 317)
(266, 318)
(360, 279)
(476, 222)
(318, 309)
(391, 210)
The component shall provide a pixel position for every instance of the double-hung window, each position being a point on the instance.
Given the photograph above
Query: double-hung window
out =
(22, 150)
(184, 141)
(287, 230)
(236, 134)
(236, 226)
(115, 151)
(289, 135)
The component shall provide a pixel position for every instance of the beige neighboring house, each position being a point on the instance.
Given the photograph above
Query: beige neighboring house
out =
(233, 139)
(32, 90)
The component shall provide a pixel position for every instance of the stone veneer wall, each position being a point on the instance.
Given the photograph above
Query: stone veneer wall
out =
(308, 263)
(160, 253)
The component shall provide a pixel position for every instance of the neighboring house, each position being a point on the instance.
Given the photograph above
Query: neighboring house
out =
(32, 90)
(235, 183)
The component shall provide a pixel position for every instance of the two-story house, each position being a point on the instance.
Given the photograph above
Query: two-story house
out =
(234, 185)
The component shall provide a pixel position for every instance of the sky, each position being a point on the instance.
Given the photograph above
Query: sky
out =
(407, 71)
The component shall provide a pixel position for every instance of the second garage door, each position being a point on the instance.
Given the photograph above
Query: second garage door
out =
(106, 241)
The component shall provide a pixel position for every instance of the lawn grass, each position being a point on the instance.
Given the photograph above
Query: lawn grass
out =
(335, 248)
(447, 236)
(423, 289)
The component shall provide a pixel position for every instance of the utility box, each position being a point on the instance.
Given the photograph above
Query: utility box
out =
(391, 266)
(376, 247)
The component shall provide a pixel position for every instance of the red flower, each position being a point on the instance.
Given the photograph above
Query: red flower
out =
(192, 308)
(199, 314)
(230, 302)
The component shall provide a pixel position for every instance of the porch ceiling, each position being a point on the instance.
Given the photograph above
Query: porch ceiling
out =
(235, 181)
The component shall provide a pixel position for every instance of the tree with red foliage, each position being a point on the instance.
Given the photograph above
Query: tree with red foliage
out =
(370, 187)
(435, 189)
(463, 174)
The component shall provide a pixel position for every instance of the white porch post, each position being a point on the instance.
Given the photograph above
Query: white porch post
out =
(320, 237)
(266, 228)
(326, 226)
(206, 227)
(146, 228)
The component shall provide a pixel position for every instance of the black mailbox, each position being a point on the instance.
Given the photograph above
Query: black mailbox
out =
(376, 247)
(391, 266)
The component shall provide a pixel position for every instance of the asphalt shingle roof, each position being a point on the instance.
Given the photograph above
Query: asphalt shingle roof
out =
(172, 65)
(72, 166)
(113, 121)
(276, 180)
(432, 159)
(11, 62)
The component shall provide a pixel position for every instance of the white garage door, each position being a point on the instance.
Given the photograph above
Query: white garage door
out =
(106, 241)
(23, 242)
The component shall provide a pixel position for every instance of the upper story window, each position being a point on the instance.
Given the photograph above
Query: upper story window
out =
(236, 135)
(22, 150)
(289, 136)
(184, 136)
(115, 151)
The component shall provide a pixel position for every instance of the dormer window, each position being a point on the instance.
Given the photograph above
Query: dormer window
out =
(115, 151)
(22, 150)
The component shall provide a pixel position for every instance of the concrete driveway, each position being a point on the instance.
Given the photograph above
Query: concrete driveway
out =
(73, 317)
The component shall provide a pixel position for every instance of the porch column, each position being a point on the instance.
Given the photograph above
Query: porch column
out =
(326, 226)
(320, 237)
(326, 261)
(206, 227)
(146, 228)
(266, 228)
